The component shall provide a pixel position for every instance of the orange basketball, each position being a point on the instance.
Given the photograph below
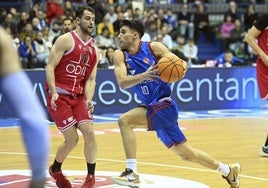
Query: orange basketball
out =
(170, 68)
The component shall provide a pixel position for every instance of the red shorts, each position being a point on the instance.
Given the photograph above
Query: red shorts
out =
(70, 111)
(262, 78)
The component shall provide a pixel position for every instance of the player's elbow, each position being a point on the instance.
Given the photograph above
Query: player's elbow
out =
(123, 85)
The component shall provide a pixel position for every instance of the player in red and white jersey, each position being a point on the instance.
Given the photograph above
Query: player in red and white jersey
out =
(257, 39)
(70, 85)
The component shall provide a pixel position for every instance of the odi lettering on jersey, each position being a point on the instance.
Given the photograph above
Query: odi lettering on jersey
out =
(76, 65)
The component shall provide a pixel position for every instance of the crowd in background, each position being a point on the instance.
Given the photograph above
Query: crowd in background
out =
(35, 31)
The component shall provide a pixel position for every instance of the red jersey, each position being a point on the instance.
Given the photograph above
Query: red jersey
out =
(262, 70)
(75, 66)
(263, 40)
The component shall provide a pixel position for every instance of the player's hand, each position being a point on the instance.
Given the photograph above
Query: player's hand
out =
(185, 67)
(90, 106)
(151, 73)
(54, 98)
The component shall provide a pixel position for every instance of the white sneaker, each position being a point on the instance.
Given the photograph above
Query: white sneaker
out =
(264, 151)
(128, 178)
(232, 177)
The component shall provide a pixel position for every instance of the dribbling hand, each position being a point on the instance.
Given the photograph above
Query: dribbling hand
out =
(151, 73)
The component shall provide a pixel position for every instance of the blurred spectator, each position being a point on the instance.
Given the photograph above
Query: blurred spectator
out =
(167, 40)
(233, 12)
(42, 18)
(67, 27)
(69, 10)
(100, 10)
(15, 14)
(150, 18)
(104, 40)
(225, 31)
(45, 32)
(227, 59)
(250, 16)
(60, 20)
(116, 24)
(128, 14)
(3, 13)
(151, 30)
(16, 41)
(158, 37)
(152, 11)
(33, 11)
(185, 22)
(106, 61)
(201, 24)
(190, 51)
(22, 21)
(107, 24)
(42, 50)
(10, 23)
(178, 47)
(161, 15)
(27, 31)
(36, 25)
(169, 18)
(137, 15)
(111, 14)
(54, 10)
(27, 53)
(55, 30)
(144, 17)
(237, 39)
(118, 8)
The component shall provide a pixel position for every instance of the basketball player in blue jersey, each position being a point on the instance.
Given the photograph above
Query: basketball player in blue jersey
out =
(136, 68)
(17, 89)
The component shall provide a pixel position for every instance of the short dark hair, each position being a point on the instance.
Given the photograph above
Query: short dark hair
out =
(133, 24)
(80, 11)
(68, 18)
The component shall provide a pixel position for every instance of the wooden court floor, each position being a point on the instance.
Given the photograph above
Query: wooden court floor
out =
(229, 140)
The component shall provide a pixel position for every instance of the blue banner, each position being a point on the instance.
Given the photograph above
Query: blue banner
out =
(201, 89)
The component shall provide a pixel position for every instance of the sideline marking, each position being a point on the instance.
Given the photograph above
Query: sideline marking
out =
(144, 163)
(103, 180)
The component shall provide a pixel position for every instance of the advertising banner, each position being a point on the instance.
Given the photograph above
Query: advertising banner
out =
(201, 89)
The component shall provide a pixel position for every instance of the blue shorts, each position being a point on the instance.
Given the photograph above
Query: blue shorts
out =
(163, 118)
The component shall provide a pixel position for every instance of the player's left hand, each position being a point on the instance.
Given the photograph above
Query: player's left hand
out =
(90, 106)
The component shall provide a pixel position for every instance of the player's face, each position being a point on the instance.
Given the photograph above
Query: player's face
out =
(126, 37)
(87, 22)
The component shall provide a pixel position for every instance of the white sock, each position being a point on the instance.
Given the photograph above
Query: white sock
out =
(224, 169)
(132, 164)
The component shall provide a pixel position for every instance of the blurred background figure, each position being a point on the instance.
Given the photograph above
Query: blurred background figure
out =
(27, 107)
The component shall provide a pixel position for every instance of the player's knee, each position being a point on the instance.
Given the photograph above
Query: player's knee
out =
(188, 156)
(72, 142)
(89, 137)
(122, 121)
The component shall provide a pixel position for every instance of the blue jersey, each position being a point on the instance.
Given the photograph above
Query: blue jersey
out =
(148, 91)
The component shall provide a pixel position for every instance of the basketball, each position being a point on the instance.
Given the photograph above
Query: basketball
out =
(171, 68)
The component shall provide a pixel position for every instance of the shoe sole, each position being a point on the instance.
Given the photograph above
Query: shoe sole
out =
(238, 172)
(129, 184)
(263, 154)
